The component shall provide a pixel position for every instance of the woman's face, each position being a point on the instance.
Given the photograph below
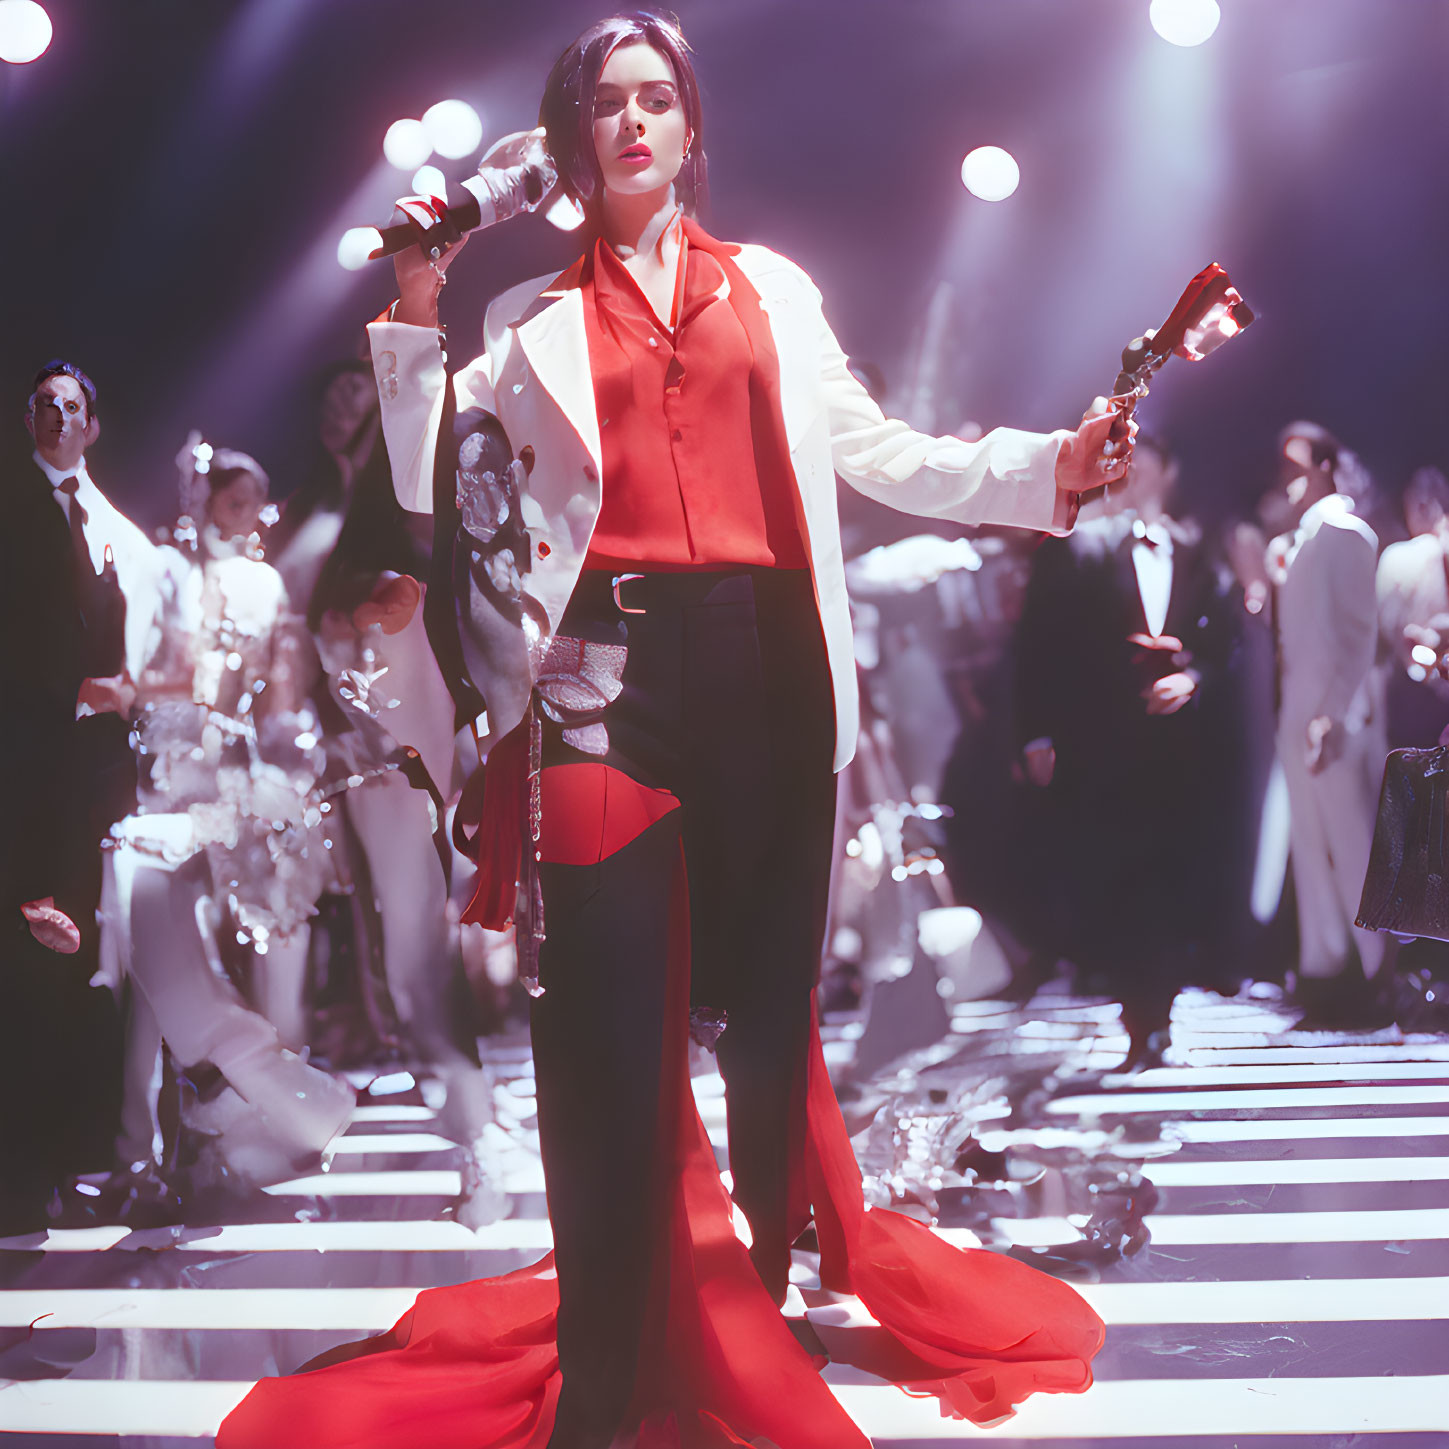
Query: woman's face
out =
(236, 509)
(640, 131)
(349, 399)
(1423, 513)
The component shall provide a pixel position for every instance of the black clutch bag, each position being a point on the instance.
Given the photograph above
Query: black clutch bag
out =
(1405, 891)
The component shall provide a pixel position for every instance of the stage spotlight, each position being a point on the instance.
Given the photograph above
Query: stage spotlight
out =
(453, 128)
(429, 181)
(1185, 22)
(990, 173)
(406, 145)
(25, 31)
(357, 245)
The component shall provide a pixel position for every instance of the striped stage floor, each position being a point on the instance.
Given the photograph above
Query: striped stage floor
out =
(1294, 1290)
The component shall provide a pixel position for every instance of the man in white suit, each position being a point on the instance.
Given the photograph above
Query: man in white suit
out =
(1413, 590)
(1331, 738)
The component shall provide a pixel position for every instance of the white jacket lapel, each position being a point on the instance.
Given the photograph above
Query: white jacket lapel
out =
(557, 349)
(796, 346)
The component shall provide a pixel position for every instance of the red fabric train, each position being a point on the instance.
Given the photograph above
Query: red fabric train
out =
(475, 1365)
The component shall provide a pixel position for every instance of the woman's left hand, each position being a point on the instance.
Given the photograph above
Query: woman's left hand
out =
(1100, 451)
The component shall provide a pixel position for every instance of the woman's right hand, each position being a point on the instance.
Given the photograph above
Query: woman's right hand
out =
(419, 281)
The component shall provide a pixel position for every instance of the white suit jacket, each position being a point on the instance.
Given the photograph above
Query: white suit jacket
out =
(1413, 587)
(534, 376)
(1328, 620)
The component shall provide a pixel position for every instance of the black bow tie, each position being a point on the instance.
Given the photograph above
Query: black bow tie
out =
(1151, 535)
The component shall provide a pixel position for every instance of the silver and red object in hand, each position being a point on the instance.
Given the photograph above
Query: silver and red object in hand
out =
(1210, 311)
(1208, 314)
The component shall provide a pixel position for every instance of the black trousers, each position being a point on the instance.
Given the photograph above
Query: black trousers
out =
(726, 704)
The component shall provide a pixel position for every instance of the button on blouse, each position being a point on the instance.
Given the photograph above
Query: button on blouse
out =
(694, 472)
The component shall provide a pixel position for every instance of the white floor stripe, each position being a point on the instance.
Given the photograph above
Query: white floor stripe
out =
(1181, 1230)
(349, 1310)
(1257, 1171)
(435, 1182)
(409, 1236)
(1391, 1056)
(1113, 1409)
(69, 1240)
(533, 1234)
(1166, 1408)
(369, 1310)
(1217, 1074)
(389, 1142)
(518, 1177)
(154, 1407)
(521, 1234)
(1292, 1300)
(1292, 1129)
(400, 1113)
(1118, 1104)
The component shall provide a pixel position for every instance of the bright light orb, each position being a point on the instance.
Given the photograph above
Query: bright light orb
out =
(355, 249)
(429, 181)
(25, 31)
(406, 145)
(454, 129)
(1185, 22)
(990, 173)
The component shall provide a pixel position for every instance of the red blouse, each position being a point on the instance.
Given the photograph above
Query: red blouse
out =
(695, 473)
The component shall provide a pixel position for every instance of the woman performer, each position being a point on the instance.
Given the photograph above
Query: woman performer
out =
(680, 665)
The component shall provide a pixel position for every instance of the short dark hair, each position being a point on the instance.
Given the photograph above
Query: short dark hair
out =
(342, 367)
(59, 367)
(1350, 477)
(1428, 485)
(1323, 446)
(567, 110)
(1157, 446)
(230, 464)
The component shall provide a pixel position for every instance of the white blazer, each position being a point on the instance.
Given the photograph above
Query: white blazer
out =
(1413, 587)
(1328, 626)
(534, 376)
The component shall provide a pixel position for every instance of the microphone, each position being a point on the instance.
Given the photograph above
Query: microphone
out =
(494, 194)
(442, 225)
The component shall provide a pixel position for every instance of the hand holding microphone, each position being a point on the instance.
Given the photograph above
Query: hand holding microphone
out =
(516, 175)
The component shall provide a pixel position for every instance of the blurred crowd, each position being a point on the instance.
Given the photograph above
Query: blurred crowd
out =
(1149, 755)
(1146, 755)
(227, 866)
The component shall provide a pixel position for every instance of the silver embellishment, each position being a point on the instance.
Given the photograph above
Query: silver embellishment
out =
(579, 679)
(483, 497)
(387, 376)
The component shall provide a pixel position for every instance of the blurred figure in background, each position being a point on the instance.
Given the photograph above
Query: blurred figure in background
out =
(348, 423)
(1331, 737)
(1262, 864)
(1122, 662)
(367, 613)
(227, 842)
(1413, 600)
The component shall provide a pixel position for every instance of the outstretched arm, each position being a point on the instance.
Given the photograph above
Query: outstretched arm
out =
(1030, 480)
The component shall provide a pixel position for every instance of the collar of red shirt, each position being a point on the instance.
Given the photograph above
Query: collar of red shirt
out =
(575, 276)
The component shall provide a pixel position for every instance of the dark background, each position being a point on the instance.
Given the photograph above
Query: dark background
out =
(176, 174)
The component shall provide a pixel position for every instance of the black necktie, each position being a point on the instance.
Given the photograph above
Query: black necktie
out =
(78, 519)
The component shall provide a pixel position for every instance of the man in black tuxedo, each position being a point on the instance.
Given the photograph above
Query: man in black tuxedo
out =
(63, 779)
(1123, 710)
